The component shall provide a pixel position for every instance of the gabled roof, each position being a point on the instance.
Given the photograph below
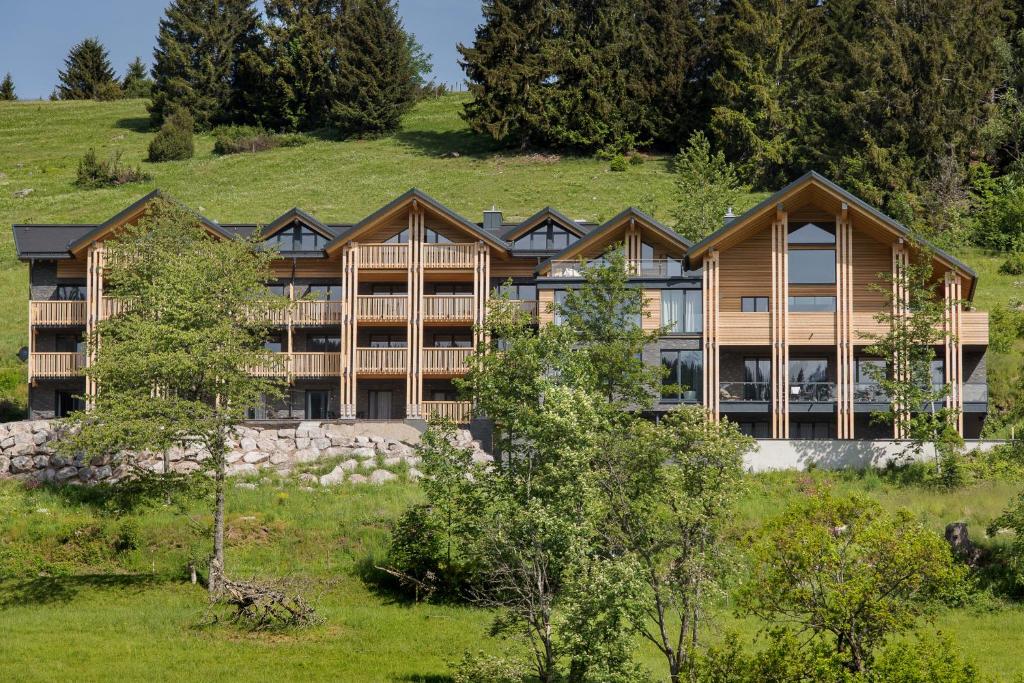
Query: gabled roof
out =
(297, 214)
(628, 214)
(406, 198)
(814, 177)
(47, 241)
(519, 229)
(134, 209)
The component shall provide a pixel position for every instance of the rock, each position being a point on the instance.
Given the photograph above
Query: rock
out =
(302, 442)
(308, 477)
(362, 440)
(242, 468)
(392, 461)
(279, 457)
(480, 457)
(65, 473)
(103, 472)
(21, 464)
(246, 485)
(59, 460)
(356, 479)
(41, 461)
(233, 457)
(21, 194)
(254, 457)
(39, 438)
(961, 545)
(286, 433)
(349, 465)
(5, 464)
(7, 442)
(362, 452)
(414, 474)
(248, 444)
(305, 455)
(266, 444)
(86, 473)
(335, 476)
(321, 442)
(381, 476)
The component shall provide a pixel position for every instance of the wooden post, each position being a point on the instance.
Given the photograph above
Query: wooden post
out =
(95, 262)
(349, 329)
(710, 337)
(414, 324)
(844, 326)
(953, 367)
(779, 319)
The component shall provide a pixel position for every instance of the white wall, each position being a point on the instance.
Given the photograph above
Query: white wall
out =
(782, 454)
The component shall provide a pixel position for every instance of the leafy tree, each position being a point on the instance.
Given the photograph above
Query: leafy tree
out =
(174, 139)
(1012, 519)
(174, 369)
(208, 60)
(849, 573)
(137, 83)
(706, 186)
(87, 74)
(668, 489)
(377, 77)
(422, 61)
(7, 88)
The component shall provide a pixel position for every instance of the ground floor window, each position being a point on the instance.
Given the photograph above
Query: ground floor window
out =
(803, 430)
(684, 375)
(379, 407)
(756, 429)
(67, 403)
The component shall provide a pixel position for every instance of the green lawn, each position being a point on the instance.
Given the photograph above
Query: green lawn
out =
(73, 607)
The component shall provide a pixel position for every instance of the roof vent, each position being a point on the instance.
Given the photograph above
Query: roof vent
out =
(492, 219)
(729, 215)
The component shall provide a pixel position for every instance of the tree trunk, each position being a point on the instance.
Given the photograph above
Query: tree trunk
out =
(217, 557)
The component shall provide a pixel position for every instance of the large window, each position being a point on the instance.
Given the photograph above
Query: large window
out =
(67, 403)
(449, 341)
(298, 237)
(323, 343)
(66, 292)
(682, 310)
(560, 295)
(518, 292)
(434, 237)
(812, 233)
(68, 343)
(387, 288)
(812, 304)
(684, 376)
(805, 370)
(812, 266)
(387, 341)
(319, 292)
(757, 377)
(548, 237)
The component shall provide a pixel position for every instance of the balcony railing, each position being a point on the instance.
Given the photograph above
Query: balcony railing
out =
(529, 307)
(448, 308)
(382, 308)
(812, 392)
(383, 255)
(662, 268)
(316, 313)
(446, 361)
(278, 367)
(456, 411)
(111, 306)
(745, 391)
(316, 364)
(56, 364)
(448, 255)
(57, 313)
(383, 361)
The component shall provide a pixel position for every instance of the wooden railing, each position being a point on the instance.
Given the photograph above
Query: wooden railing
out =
(275, 369)
(316, 312)
(974, 327)
(384, 361)
(382, 308)
(112, 306)
(57, 312)
(456, 411)
(383, 255)
(56, 364)
(447, 361)
(316, 364)
(448, 307)
(448, 255)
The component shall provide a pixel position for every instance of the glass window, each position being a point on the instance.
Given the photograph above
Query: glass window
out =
(68, 343)
(399, 237)
(938, 372)
(754, 304)
(758, 430)
(67, 403)
(69, 293)
(863, 369)
(684, 377)
(323, 343)
(434, 237)
(274, 344)
(682, 310)
(548, 237)
(453, 288)
(518, 292)
(808, 370)
(317, 404)
(804, 430)
(387, 341)
(812, 266)
(560, 295)
(812, 304)
(277, 290)
(812, 233)
(387, 288)
(298, 237)
(449, 341)
(319, 292)
(757, 377)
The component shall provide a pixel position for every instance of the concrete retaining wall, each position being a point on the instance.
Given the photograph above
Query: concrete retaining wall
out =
(781, 454)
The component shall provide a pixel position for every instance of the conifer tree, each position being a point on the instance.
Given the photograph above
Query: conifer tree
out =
(208, 60)
(137, 83)
(377, 78)
(7, 88)
(87, 73)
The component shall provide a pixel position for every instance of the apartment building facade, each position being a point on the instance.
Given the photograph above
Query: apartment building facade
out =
(766, 321)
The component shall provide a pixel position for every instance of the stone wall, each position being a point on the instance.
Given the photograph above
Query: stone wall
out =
(368, 452)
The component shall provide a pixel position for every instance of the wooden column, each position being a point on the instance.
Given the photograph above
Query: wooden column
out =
(95, 261)
(845, 377)
(779, 325)
(349, 329)
(289, 328)
(414, 325)
(481, 292)
(711, 349)
(901, 308)
(954, 352)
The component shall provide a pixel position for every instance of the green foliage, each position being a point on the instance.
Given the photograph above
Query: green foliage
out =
(87, 74)
(173, 142)
(137, 82)
(480, 667)
(850, 573)
(94, 172)
(7, 88)
(1014, 264)
(422, 63)
(239, 139)
(706, 186)
(1012, 520)
(618, 164)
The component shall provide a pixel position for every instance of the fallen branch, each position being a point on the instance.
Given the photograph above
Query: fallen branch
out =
(263, 606)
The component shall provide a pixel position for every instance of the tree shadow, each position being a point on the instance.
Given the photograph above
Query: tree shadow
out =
(465, 143)
(48, 590)
(425, 678)
(137, 124)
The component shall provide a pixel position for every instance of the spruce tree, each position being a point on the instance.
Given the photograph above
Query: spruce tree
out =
(87, 74)
(137, 83)
(377, 79)
(208, 60)
(7, 88)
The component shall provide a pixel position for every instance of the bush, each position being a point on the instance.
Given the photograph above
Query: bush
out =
(94, 172)
(1014, 264)
(238, 139)
(174, 140)
(618, 164)
(484, 668)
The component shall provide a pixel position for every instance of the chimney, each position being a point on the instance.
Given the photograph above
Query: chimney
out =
(729, 215)
(492, 219)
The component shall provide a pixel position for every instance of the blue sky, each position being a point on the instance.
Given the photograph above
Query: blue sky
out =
(35, 35)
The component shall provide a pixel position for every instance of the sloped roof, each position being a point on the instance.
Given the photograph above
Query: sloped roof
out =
(519, 229)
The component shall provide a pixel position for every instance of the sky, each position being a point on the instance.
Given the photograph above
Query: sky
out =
(35, 35)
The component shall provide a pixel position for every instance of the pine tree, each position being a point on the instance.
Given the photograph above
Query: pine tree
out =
(137, 83)
(208, 60)
(87, 73)
(7, 88)
(768, 117)
(377, 79)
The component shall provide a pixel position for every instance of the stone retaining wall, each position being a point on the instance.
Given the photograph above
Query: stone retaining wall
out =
(370, 452)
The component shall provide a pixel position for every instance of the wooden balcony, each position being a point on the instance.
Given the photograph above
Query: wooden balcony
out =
(389, 308)
(57, 313)
(974, 328)
(56, 364)
(446, 361)
(316, 313)
(316, 364)
(449, 255)
(383, 362)
(383, 256)
(448, 308)
(458, 412)
(111, 306)
(279, 368)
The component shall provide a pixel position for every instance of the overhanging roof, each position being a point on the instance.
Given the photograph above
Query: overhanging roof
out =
(514, 231)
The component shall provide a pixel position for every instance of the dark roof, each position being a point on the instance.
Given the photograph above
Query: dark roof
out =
(546, 211)
(47, 241)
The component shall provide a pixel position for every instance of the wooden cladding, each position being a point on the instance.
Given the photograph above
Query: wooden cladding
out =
(57, 313)
(973, 328)
(60, 364)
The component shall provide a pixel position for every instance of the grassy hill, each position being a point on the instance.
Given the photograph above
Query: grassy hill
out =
(42, 142)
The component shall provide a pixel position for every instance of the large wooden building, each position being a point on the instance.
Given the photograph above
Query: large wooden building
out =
(766, 318)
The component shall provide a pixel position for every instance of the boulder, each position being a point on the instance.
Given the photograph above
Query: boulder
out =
(321, 442)
(248, 444)
(86, 473)
(254, 457)
(21, 463)
(392, 461)
(39, 438)
(245, 485)
(308, 477)
(305, 455)
(59, 460)
(286, 433)
(65, 473)
(5, 464)
(302, 442)
(414, 474)
(233, 457)
(356, 479)
(242, 468)
(361, 452)
(335, 476)
(381, 476)
(41, 461)
(349, 465)
(103, 472)
(279, 457)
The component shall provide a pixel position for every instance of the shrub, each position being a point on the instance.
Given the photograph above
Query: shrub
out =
(618, 164)
(237, 139)
(94, 172)
(174, 140)
(484, 668)
(1014, 264)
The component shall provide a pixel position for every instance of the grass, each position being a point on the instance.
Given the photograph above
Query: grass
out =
(72, 605)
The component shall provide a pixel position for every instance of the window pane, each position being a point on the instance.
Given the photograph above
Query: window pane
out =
(70, 293)
(812, 233)
(812, 266)
(802, 371)
(559, 301)
(399, 238)
(812, 304)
